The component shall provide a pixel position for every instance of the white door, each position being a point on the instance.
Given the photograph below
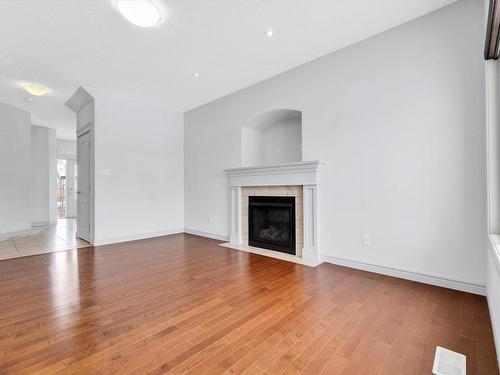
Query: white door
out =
(83, 186)
(71, 199)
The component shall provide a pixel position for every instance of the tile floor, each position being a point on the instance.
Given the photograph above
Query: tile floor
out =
(46, 239)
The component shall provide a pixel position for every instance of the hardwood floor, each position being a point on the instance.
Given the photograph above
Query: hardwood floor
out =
(182, 304)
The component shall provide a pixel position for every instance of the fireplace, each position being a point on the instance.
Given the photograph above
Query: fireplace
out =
(271, 223)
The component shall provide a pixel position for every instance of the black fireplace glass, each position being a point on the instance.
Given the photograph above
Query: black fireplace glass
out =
(271, 223)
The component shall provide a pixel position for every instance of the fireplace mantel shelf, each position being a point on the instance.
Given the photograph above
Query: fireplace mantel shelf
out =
(304, 173)
(296, 173)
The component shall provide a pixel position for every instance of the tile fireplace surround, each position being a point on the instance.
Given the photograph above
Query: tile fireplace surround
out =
(298, 179)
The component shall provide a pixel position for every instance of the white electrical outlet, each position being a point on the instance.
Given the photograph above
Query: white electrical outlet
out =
(210, 219)
(366, 240)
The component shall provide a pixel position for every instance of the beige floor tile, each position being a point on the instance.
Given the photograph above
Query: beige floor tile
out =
(48, 239)
(8, 250)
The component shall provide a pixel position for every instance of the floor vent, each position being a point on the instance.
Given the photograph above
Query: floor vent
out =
(447, 362)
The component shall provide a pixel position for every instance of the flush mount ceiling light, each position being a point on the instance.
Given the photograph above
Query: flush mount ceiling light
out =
(269, 32)
(196, 74)
(36, 90)
(142, 13)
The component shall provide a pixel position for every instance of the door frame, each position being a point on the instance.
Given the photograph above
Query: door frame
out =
(88, 128)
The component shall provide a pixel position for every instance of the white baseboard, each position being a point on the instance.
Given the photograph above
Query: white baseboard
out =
(135, 237)
(426, 279)
(205, 234)
(40, 224)
(25, 232)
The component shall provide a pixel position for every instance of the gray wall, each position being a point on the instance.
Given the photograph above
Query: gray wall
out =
(398, 121)
(282, 141)
(15, 170)
(139, 169)
(43, 175)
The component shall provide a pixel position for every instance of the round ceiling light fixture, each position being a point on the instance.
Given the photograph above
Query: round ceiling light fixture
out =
(269, 32)
(142, 13)
(36, 90)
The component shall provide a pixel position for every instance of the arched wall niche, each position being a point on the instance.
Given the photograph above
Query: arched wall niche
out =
(272, 137)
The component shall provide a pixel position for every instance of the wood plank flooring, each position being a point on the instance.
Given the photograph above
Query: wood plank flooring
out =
(183, 304)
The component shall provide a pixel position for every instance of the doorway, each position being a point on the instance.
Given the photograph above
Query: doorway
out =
(66, 188)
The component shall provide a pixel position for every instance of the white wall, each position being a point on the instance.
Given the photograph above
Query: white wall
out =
(271, 138)
(15, 170)
(43, 175)
(282, 141)
(139, 164)
(251, 146)
(66, 149)
(398, 121)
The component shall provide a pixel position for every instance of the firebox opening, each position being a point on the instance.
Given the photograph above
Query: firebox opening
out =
(271, 223)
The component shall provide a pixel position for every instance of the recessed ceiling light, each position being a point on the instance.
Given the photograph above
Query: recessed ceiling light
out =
(269, 32)
(142, 13)
(196, 74)
(36, 90)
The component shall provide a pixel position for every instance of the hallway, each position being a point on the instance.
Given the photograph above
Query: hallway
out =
(46, 239)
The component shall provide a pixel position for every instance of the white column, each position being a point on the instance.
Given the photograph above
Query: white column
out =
(235, 194)
(310, 201)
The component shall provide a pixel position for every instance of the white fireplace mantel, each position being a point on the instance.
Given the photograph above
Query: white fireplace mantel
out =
(303, 173)
(296, 173)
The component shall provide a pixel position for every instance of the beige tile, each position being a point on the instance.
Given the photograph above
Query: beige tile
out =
(81, 243)
(294, 190)
(8, 250)
(42, 240)
(4, 256)
(279, 190)
(299, 212)
(7, 245)
(244, 210)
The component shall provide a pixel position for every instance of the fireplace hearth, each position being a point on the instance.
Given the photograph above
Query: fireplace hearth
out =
(271, 223)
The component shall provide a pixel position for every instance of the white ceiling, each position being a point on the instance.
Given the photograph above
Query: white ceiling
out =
(65, 44)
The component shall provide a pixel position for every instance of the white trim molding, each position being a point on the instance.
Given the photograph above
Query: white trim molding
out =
(135, 237)
(493, 287)
(235, 236)
(42, 223)
(310, 202)
(200, 233)
(296, 173)
(494, 246)
(408, 275)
